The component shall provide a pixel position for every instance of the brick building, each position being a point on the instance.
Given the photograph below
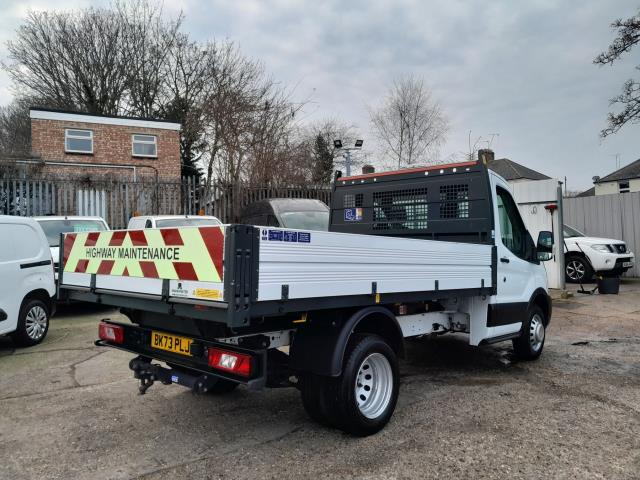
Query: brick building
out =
(79, 145)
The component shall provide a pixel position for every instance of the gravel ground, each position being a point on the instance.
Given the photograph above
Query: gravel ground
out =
(71, 410)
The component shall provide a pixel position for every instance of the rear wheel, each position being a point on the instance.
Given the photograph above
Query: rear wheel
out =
(318, 398)
(529, 345)
(577, 269)
(362, 399)
(33, 323)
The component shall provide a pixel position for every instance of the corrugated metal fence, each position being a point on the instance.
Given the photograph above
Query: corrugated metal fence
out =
(611, 216)
(117, 201)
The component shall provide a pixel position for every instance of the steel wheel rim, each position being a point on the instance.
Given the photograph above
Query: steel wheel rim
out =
(374, 385)
(575, 270)
(536, 332)
(36, 322)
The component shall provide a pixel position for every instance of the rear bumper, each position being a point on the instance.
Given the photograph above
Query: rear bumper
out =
(137, 340)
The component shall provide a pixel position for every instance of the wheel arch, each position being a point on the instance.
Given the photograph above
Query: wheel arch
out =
(541, 299)
(39, 294)
(319, 347)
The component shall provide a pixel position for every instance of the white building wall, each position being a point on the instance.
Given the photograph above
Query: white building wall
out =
(531, 197)
(607, 188)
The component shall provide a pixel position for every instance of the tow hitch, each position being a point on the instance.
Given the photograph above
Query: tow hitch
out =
(148, 373)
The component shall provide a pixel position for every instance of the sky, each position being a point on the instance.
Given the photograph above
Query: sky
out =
(517, 74)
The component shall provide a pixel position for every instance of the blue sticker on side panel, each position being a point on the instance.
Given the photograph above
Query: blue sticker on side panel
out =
(174, 378)
(353, 214)
(304, 237)
(275, 235)
(290, 236)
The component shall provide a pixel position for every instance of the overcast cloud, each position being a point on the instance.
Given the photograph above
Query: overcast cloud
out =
(520, 69)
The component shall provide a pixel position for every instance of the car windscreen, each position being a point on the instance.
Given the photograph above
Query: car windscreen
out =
(53, 228)
(313, 220)
(187, 222)
(571, 232)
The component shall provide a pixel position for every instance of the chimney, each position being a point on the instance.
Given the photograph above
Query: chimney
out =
(486, 155)
(368, 169)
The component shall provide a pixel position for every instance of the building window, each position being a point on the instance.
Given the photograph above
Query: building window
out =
(623, 186)
(144, 146)
(78, 141)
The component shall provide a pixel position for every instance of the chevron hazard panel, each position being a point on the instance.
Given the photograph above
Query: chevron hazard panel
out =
(189, 253)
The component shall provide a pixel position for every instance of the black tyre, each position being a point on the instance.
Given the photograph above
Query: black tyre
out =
(529, 345)
(317, 398)
(577, 269)
(367, 391)
(33, 323)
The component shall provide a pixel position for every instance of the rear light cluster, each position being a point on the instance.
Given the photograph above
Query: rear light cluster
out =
(111, 333)
(232, 362)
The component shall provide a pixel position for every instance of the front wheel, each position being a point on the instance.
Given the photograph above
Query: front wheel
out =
(577, 270)
(529, 345)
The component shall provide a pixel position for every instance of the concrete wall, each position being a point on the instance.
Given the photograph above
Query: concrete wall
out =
(611, 216)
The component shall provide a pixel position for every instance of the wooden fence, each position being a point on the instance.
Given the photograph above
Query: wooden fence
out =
(117, 201)
(614, 216)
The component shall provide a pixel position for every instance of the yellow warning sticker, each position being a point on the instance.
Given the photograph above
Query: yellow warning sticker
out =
(208, 293)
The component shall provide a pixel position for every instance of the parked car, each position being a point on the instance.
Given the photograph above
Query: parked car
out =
(53, 226)
(162, 221)
(300, 213)
(585, 256)
(28, 285)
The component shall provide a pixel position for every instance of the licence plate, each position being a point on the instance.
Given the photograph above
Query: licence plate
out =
(627, 264)
(171, 343)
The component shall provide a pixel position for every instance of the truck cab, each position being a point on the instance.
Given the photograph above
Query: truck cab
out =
(463, 203)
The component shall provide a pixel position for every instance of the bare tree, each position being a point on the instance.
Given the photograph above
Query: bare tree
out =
(15, 128)
(75, 60)
(321, 154)
(410, 124)
(149, 41)
(629, 99)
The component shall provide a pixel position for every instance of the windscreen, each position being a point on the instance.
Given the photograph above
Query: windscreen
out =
(187, 222)
(571, 232)
(53, 228)
(313, 220)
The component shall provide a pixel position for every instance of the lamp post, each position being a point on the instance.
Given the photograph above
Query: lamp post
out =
(346, 153)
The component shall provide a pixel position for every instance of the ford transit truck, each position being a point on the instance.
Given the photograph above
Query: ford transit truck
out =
(422, 251)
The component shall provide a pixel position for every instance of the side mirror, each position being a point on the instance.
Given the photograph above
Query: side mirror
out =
(545, 242)
(545, 246)
(544, 256)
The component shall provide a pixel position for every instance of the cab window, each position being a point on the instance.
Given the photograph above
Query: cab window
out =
(513, 233)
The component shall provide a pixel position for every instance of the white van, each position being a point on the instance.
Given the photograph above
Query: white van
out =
(53, 226)
(164, 221)
(27, 281)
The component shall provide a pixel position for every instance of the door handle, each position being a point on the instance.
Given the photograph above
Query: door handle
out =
(504, 260)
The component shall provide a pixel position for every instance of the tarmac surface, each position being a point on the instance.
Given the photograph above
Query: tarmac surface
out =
(69, 409)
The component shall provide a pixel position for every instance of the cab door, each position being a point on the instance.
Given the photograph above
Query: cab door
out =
(517, 264)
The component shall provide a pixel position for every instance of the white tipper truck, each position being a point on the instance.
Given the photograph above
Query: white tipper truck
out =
(408, 253)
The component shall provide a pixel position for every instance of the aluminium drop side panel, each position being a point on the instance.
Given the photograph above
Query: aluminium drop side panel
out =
(332, 264)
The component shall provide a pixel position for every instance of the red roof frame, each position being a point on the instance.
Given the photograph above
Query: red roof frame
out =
(407, 170)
